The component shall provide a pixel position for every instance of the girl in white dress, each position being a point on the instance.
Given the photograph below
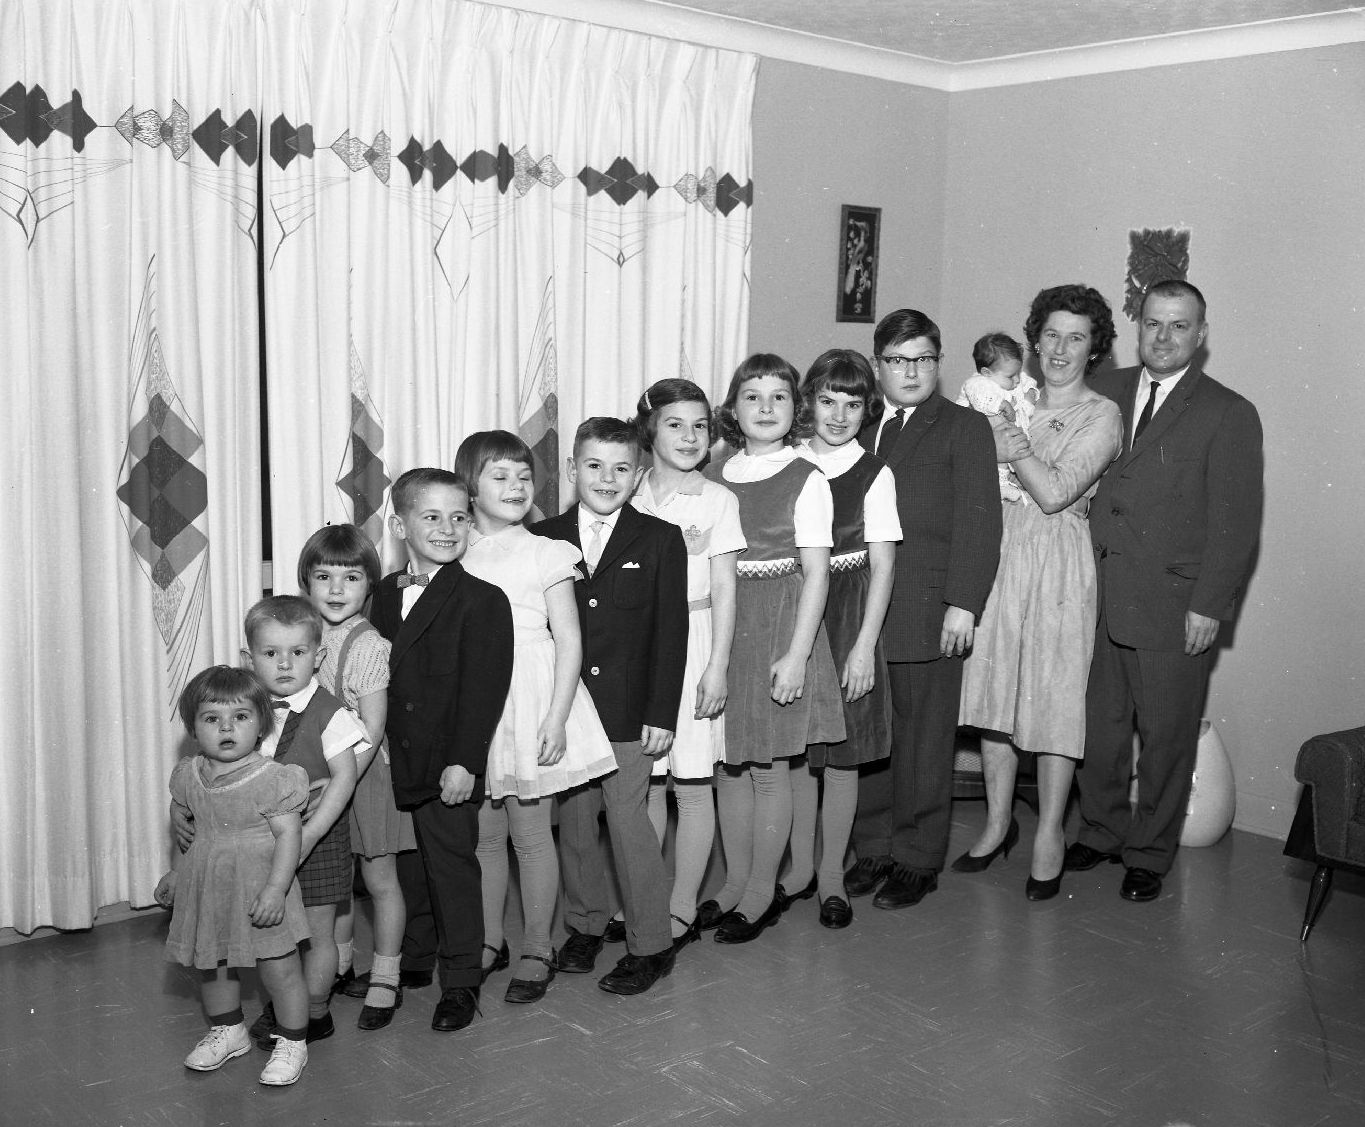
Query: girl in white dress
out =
(674, 420)
(549, 738)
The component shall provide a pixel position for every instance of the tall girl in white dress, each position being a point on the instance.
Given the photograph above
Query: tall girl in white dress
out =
(549, 738)
(674, 419)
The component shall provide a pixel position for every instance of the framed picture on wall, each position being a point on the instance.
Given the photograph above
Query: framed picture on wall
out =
(859, 228)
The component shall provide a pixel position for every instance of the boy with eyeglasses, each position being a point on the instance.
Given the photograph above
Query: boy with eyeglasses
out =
(943, 459)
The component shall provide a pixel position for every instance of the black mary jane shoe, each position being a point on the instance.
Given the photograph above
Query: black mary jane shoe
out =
(790, 898)
(376, 1017)
(502, 957)
(737, 928)
(691, 933)
(523, 990)
(835, 912)
(709, 915)
(1042, 889)
(342, 981)
(969, 864)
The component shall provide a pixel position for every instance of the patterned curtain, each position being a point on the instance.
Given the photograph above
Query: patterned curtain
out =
(474, 218)
(128, 200)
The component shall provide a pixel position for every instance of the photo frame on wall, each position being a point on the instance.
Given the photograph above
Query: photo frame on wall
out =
(859, 231)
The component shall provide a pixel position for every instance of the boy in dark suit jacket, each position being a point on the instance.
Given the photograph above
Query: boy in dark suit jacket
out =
(943, 460)
(633, 608)
(450, 668)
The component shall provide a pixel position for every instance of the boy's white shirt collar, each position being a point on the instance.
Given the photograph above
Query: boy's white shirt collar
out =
(299, 701)
(586, 519)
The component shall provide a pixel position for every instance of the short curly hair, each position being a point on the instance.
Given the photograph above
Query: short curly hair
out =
(756, 367)
(1084, 301)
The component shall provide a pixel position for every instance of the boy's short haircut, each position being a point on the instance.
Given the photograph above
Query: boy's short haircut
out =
(486, 446)
(994, 347)
(604, 428)
(287, 610)
(903, 325)
(225, 684)
(404, 493)
(339, 545)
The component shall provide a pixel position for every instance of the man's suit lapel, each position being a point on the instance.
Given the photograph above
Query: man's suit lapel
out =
(425, 610)
(1170, 410)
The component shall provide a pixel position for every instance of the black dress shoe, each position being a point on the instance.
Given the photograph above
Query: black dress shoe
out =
(413, 979)
(320, 1028)
(342, 981)
(579, 952)
(866, 874)
(691, 933)
(790, 898)
(969, 864)
(635, 974)
(616, 931)
(456, 1009)
(1081, 858)
(262, 1030)
(737, 928)
(709, 915)
(501, 958)
(376, 1017)
(528, 989)
(905, 887)
(1140, 885)
(835, 912)
(1042, 889)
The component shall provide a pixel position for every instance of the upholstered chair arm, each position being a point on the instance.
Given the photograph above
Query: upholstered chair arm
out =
(1334, 766)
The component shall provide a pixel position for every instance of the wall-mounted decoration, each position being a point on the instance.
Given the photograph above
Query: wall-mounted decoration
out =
(859, 228)
(1153, 256)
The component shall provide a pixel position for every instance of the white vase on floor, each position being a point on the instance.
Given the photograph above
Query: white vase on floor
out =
(1213, 793)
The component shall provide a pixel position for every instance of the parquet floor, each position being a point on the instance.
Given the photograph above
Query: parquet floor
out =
(975, 1008)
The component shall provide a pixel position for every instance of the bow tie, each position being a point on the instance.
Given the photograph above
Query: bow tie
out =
(279, 704)
(407, 579)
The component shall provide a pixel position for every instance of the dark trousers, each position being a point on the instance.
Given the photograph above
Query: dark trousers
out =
(905, 802)
(1160, 695)
(442, 888)
(634, 847)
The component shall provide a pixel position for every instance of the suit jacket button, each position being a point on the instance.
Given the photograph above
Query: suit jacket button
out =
(406, 743)
(1116, 512)
(594, 671)
(409, 706)
(592, 602)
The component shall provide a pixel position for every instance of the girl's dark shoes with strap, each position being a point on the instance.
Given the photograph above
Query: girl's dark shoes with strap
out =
(522, 990)
(502, 958)
(691, 933)
(737, 928)
(376, 1017)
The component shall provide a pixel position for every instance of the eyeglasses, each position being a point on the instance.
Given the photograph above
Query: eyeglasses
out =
(898, 364)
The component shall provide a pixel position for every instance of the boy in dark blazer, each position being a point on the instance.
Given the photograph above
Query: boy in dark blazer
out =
(632, 604)
(943, 460)
(449, 671)
(1175, 524)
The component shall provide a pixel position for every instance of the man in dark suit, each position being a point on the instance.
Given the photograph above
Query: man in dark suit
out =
(632, 605)
(943, 460)
(449, 671)
(1175, 524)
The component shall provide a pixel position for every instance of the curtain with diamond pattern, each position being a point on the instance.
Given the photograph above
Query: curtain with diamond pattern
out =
(476, 217)
(128, 311)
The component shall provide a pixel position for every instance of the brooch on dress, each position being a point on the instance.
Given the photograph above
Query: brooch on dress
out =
(1056, 424)
(691, 533)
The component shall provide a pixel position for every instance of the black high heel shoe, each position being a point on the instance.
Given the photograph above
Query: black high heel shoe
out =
(969, 864)
(1043, 889)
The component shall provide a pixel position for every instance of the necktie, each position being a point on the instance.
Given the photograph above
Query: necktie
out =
(1147, 409)
(593, 553)
(291, 725)
(407, 579)
(891, 432)
(279, 704)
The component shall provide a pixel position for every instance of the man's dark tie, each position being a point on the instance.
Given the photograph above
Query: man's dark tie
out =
(891, 432)
(1147, 409)
(407, 579)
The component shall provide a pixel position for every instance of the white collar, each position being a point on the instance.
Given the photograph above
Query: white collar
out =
(299, 701)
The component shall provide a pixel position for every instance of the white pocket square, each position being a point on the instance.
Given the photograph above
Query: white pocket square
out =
(632, 564)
